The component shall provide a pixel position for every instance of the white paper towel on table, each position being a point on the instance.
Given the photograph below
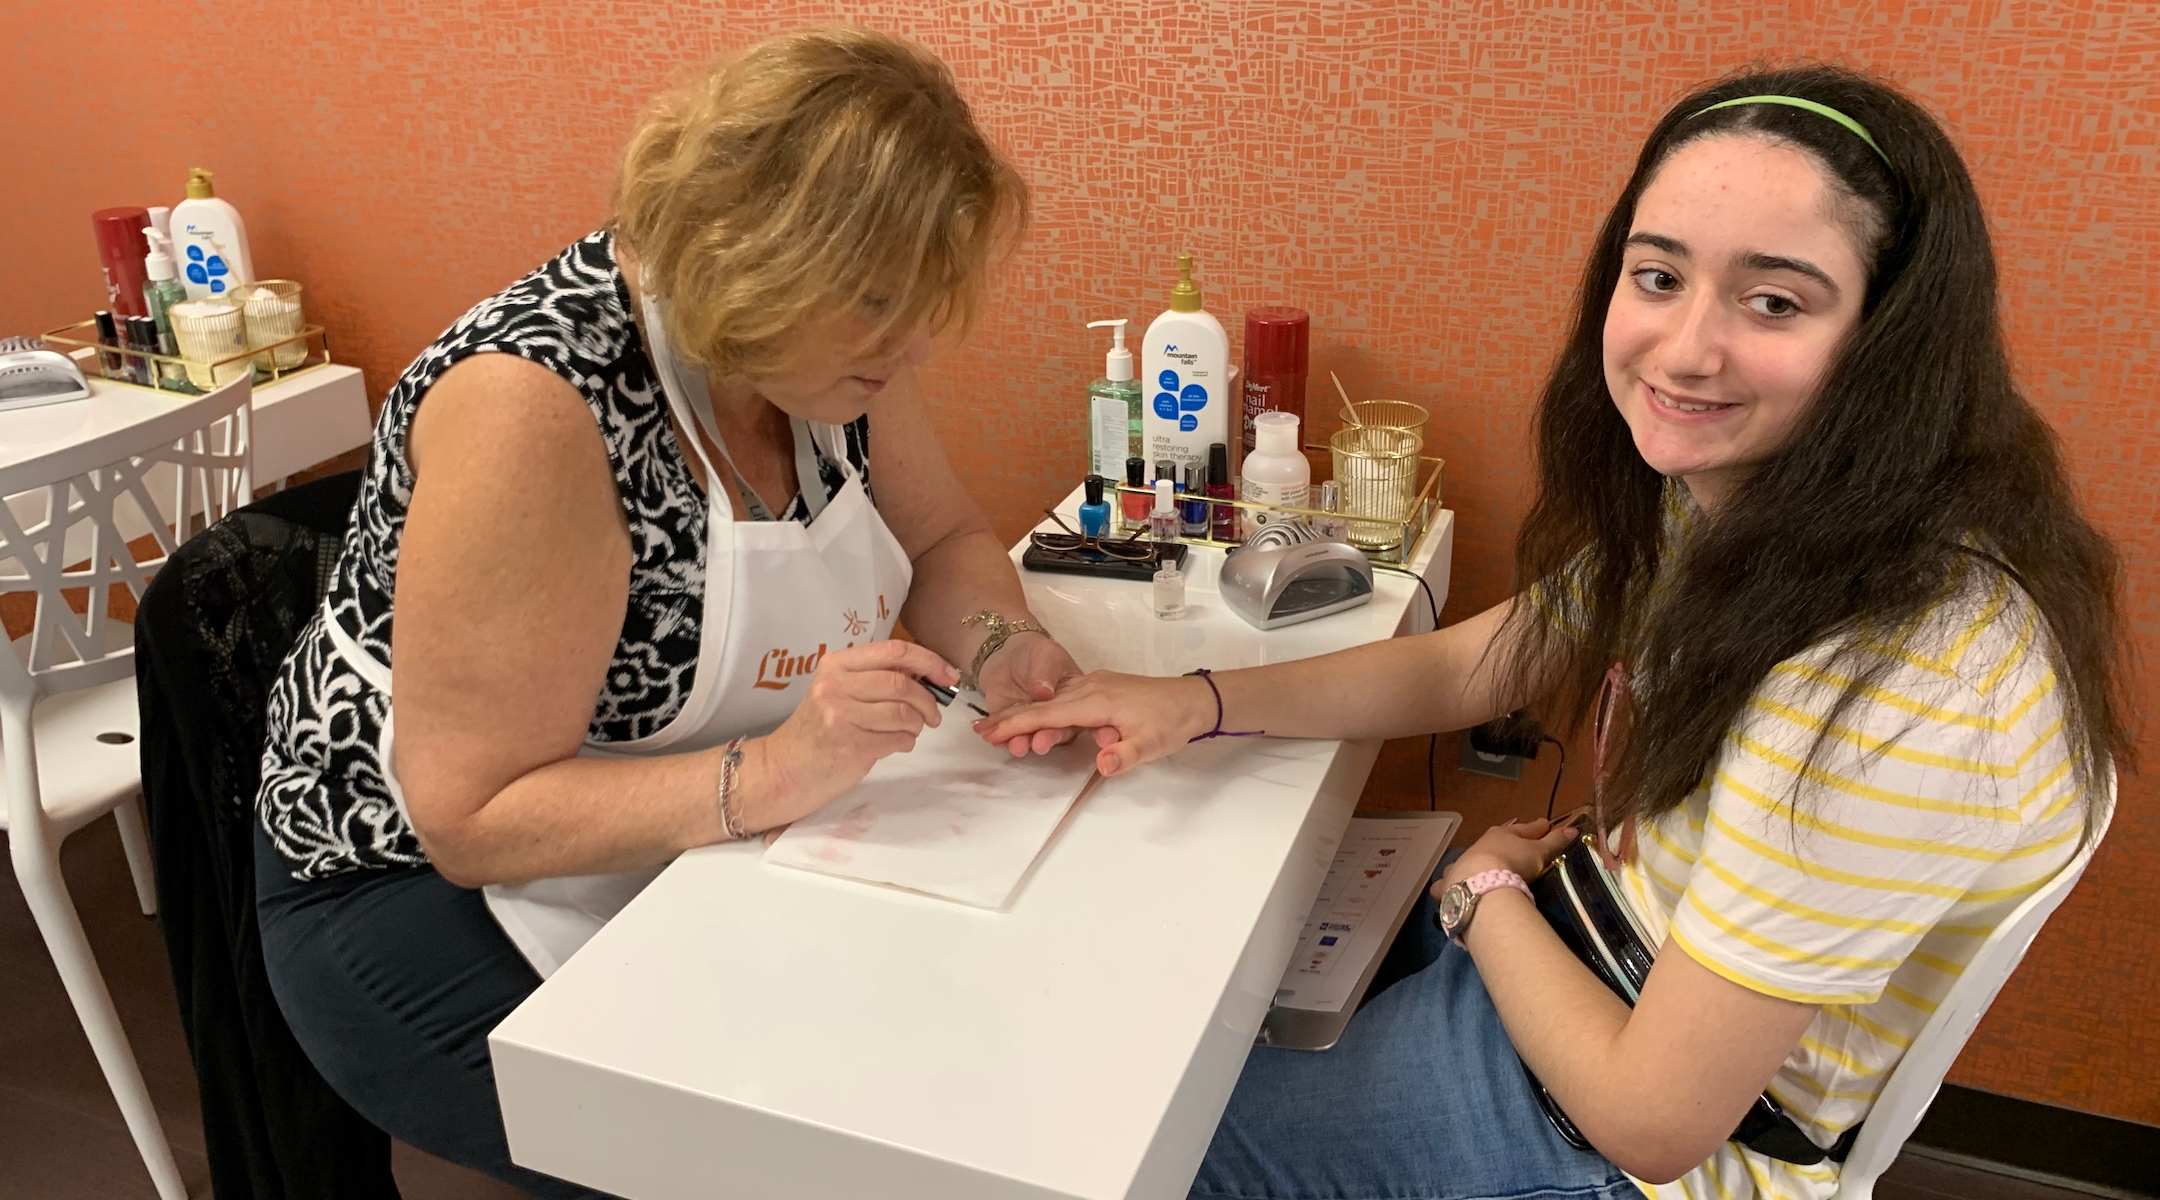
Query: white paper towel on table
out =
(956, 817)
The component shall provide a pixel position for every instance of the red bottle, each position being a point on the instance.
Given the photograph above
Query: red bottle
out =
(1276, 347)
(122, 248)
(1135, 505)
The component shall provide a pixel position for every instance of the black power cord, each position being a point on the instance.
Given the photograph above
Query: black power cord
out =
(1518, 734)
(1432, 743)
(1432, 787)
(1554, 794)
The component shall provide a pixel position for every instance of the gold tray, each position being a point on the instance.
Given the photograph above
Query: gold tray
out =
(72, 337)
(1424, 506)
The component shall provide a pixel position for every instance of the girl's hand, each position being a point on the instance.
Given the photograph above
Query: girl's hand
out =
(1029, 666)
(864, 703)
(1136, 719)
(1523, 847)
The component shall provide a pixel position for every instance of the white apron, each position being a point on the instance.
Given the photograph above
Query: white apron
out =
(779, 596)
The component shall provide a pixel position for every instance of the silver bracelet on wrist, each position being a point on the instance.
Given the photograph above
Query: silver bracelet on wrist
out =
(730, 764)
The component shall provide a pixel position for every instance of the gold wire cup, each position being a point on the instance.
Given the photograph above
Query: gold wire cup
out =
(272, 308)
(1391, 414)
(207, 330)
(1376, 471)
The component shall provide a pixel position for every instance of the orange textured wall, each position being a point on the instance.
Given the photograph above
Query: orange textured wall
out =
(1422, 177)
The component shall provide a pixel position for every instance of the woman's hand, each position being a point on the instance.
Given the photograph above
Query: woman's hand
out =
(1029, 666)
(1136, 719)
(864, 703)
(1523, 847)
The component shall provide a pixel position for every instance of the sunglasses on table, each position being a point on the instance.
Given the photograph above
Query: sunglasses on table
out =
(1130, 548)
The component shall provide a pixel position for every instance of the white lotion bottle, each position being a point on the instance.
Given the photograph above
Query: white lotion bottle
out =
(1275, 472)
(209, 240)
(1185, 374)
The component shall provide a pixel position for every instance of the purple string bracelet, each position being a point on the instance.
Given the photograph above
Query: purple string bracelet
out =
(1218, 731)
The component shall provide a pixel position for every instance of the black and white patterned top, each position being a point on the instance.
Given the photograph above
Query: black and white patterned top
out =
(323, 800)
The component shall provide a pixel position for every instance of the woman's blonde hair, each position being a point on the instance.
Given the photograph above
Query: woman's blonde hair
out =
(832, 167)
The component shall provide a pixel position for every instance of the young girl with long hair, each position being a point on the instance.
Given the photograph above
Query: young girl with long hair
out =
(1795, 522)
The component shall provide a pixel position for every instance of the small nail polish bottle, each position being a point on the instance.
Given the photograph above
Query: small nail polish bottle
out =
(1224, 520)
(1192, 505)
(1094, 514)
(1131, 505)
(1169, 591)
(1331, 528)
(1163, 524)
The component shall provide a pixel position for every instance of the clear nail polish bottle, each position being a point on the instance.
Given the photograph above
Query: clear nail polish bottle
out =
(1169, 592)
(1164, 524)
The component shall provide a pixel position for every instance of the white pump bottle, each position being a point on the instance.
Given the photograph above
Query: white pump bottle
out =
(1113, 408)
(1185, 374)
(210, 240)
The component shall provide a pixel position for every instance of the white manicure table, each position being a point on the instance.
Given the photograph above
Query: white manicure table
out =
(744, 1030)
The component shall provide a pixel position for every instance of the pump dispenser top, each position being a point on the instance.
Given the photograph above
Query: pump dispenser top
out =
(198, 184)
(158, 264)
(1185, 296)
(1117, 365)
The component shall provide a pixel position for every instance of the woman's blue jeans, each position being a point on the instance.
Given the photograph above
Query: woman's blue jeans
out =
(1423, 1099)
(391, 981)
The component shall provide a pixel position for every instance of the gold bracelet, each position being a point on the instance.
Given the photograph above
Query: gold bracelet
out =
(1002, 630)
(730, 820)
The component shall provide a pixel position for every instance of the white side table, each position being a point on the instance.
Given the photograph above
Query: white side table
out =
(302, 421)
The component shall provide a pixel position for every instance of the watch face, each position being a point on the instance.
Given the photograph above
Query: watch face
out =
(1454, 907)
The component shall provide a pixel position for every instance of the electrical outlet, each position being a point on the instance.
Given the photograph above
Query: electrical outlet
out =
(1499, 766)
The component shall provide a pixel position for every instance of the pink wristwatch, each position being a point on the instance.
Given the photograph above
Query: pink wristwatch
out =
(1459, 903)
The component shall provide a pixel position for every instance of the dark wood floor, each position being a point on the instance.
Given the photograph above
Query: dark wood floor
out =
(1919, 1175)
(61, 1137)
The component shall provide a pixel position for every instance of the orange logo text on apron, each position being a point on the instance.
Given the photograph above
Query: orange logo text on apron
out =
(779, 670)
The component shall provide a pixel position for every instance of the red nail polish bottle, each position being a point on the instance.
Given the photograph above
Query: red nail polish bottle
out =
(1218, 488)
(1134, 506)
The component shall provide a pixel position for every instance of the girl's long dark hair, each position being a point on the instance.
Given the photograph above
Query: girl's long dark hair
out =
(1916, 444)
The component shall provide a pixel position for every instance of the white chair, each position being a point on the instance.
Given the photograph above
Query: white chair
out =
(68, 720)
(1919, 1075)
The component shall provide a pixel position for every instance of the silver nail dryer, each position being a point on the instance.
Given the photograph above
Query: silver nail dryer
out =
(29, 378)
(1274, 588)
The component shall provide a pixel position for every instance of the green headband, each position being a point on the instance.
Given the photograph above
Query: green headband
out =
(1821, 110)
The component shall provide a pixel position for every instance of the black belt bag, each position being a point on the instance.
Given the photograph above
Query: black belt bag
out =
(1582, 902)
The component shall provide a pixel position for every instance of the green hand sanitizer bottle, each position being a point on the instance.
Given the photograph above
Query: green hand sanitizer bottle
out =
(161, 291)
(1113, 408)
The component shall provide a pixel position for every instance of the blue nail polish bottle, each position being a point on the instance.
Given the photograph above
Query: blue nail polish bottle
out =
(1094, 515)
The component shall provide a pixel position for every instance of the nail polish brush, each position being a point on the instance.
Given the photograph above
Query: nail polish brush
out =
(945, 695)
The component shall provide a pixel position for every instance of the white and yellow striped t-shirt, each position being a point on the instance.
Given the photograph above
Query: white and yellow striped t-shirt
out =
(1942, 798)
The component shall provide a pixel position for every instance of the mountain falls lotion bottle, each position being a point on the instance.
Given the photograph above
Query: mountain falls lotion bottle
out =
(1185, 372)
